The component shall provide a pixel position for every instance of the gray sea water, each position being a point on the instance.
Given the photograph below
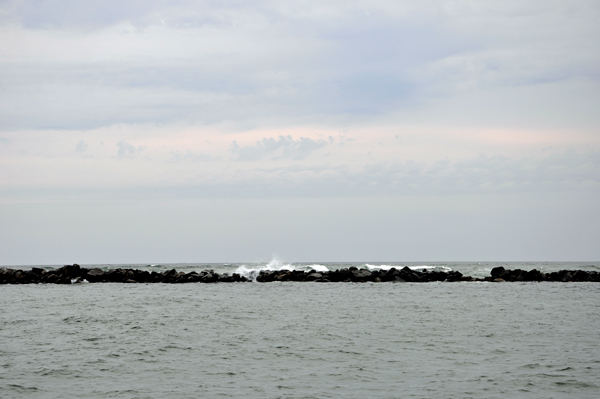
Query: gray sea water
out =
(303, 340)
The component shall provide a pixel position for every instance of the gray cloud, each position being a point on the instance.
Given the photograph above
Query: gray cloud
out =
(283, 147)
(314, 61)
(82, 146)
(127, 150)
(45, 14)
(178, 156)
(569, 171)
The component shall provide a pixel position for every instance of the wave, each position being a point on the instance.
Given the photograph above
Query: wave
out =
(275, 264)
(252, 271)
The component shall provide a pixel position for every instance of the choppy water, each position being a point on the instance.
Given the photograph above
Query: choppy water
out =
(301, 340)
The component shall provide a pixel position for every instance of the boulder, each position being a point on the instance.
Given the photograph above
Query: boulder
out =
(265, 276)
(498, 272)
(314, 276)
(361, 275)
(95, 275)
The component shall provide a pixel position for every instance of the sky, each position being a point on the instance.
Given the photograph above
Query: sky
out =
(235, 131)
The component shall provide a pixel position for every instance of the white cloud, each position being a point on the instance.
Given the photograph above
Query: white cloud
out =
(81, 146)
(178, 156)
(283, 147)
(127, 150)
(76, 65)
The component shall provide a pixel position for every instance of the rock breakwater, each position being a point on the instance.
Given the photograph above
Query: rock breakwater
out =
(72, 274)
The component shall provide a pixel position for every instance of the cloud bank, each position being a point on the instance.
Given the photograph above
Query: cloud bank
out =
(427, 116)
(80, 66)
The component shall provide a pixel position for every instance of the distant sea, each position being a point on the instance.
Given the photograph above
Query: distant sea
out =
(303, 340)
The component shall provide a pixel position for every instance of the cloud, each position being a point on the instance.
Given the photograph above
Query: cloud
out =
(70, 64)
(81, 146)
(568, 171)
(45, 14)
(127, 150)
(177, 156)
(283, 147)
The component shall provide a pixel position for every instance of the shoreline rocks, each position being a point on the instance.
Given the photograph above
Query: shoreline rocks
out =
(73, 274)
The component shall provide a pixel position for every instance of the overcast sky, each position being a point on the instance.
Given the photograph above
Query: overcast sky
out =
(228, 131)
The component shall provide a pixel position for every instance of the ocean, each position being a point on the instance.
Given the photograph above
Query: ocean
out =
(303, 340)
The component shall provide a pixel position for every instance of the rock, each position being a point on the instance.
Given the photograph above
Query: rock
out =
(581, 275)
(95, 275)
(314, 276)
(71, 271)
(361, 275)
(454, 276)
(498, 272)
(75, 274)
(533, 275)
(407, 274)
(209, 278)
(284, 275)
(265, 276)
(30, 277)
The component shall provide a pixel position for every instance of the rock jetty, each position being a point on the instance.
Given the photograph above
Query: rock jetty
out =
(72, 274)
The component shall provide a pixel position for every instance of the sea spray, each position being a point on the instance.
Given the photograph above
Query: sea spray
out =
(252, 272)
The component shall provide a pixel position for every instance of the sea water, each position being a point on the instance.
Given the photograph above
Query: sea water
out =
(303, 340)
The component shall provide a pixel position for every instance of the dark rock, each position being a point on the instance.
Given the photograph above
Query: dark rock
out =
(533, 275)
(30, 277)
(265, 276)
(95, 275)
(454, 276)
(74, 274)
(361, 275)
(50, 278)
(314, 276)
(498, 272)
(238, 278)
(70, 271)
(581, 276)
(226, 278)
(283, 275)
(407, 274)
(209, 277)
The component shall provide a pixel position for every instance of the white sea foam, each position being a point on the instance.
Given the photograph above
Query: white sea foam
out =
(435, 268)
(252, 271)
(318, 268)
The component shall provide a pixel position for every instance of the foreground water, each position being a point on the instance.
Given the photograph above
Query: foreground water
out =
(301, 340)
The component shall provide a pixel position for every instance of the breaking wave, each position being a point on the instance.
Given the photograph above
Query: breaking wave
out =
(252, 271)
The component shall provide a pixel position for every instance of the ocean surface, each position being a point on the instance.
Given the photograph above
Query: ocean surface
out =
(303, 340)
